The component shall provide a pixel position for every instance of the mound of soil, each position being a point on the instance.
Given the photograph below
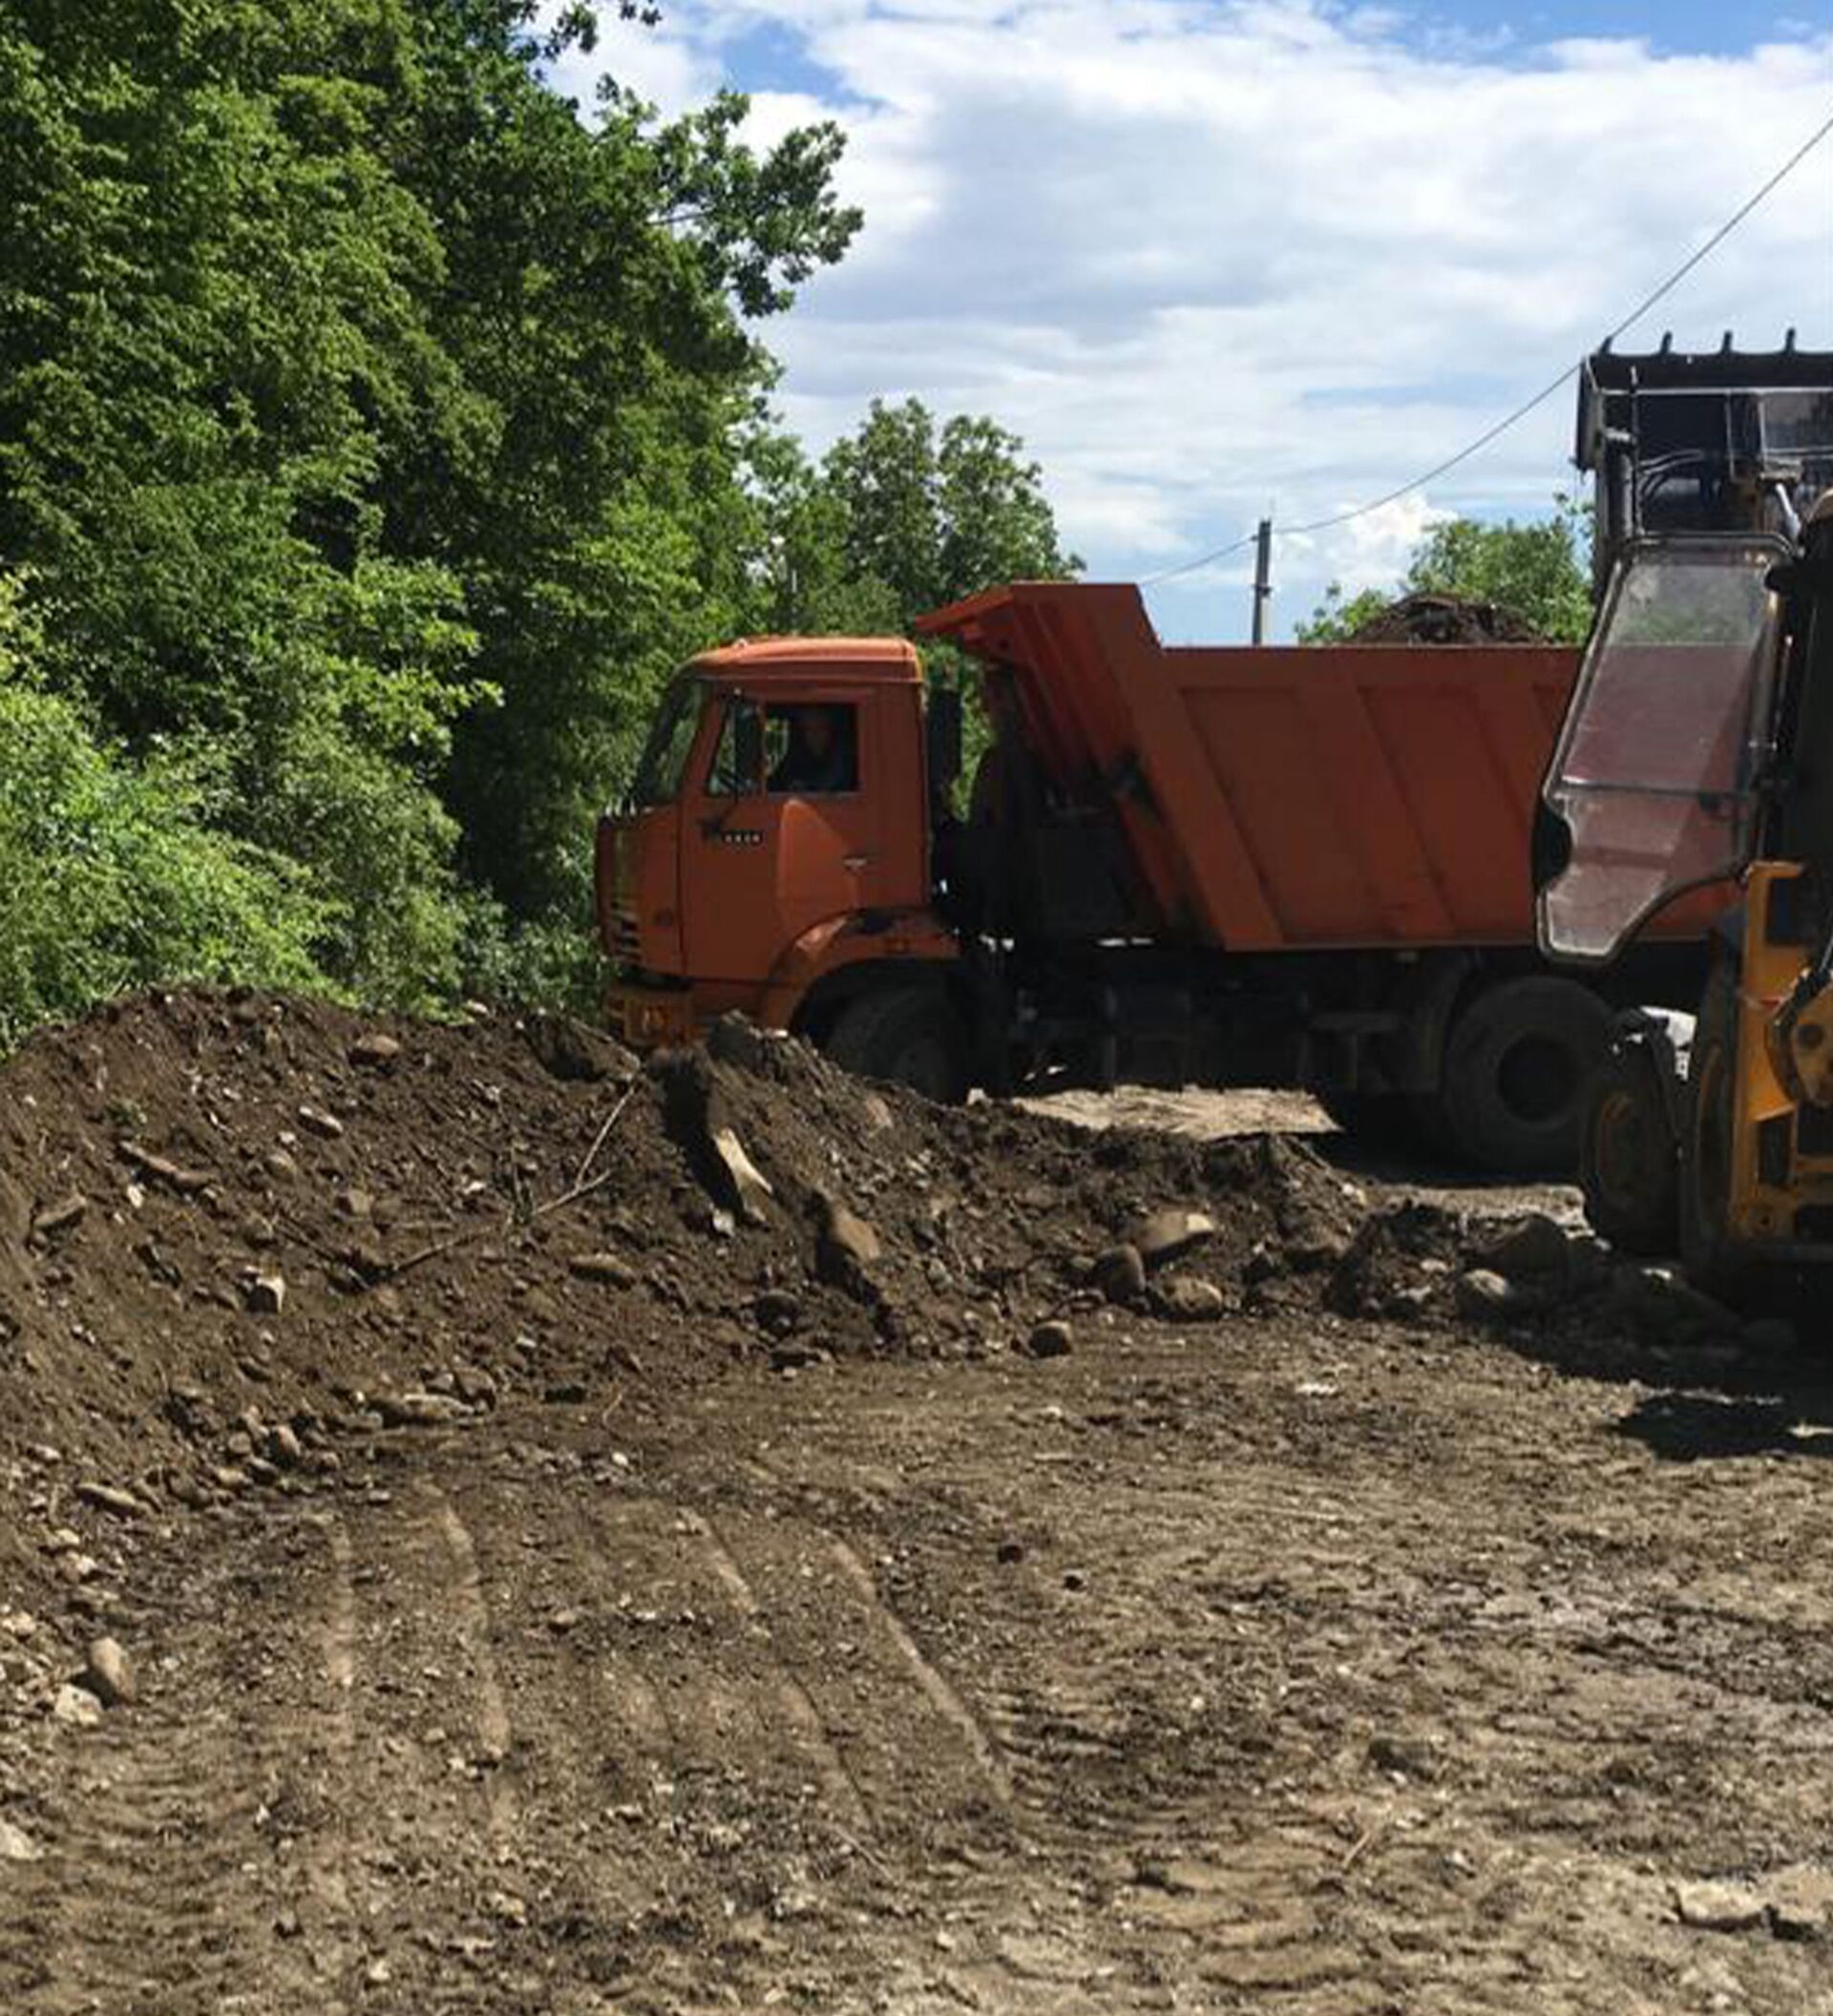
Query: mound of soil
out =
(1445, 619)
(236, 1230)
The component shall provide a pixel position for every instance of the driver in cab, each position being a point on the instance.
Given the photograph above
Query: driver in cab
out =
(820, 755)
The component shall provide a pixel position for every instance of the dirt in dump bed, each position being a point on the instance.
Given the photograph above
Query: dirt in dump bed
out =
(1445, 619)
(589, 1539)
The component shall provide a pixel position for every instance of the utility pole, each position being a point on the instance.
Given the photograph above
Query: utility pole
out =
(1262, 577)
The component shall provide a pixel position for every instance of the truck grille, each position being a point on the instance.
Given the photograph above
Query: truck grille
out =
(626, 942)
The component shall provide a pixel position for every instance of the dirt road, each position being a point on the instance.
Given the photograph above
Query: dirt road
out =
(1185, 1673)
(1286, 1660)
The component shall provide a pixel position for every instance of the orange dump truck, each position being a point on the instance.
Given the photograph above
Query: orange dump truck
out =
(1225, 866)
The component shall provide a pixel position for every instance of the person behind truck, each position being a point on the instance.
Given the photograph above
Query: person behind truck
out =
(821, 754)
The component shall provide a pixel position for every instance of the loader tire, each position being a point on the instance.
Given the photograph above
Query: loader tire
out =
(1706, 1250)
(1629, 1155)
(904, 1035)
(1516, 1067)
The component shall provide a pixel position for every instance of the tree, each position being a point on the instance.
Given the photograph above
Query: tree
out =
(372, 429)
(934, 517)
(1539, 572)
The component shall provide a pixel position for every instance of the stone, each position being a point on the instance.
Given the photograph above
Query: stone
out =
(326, 1126)
(108, 1674)
(564, 1393)
(1120, 1275)
(108, 1497)
(1800, 1901)
(612, 1268)
(16, 1846)
(1770, 1337)
(473, 1385)
(1184, 1299)
(1664, 1308)
(420, 1410)
(1163, 1235)
(1718, 1906)
(375, 1052)
(78, 1568)
(1483, 1293)
(263, 1294)
(63, 1216)
(778, 1311)
(876, 1114)
(1052, 1340)
(570, 1049)
(846, 1244)
(282, 1167)
(1535, 1249)
(355, 1203)
(283, 1447)
(751, 1187)
(76, 1707)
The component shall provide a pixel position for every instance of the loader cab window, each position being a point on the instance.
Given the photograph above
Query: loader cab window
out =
(1653, 789)
(811, 750)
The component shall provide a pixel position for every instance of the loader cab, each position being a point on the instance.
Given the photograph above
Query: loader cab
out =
(783, 785)
(1705, 465)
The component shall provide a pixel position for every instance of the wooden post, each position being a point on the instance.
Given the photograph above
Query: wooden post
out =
(1262, 577)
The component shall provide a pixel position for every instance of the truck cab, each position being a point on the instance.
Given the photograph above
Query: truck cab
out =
(775, 844)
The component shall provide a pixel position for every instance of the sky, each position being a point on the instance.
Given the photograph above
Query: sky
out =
(1220, 259)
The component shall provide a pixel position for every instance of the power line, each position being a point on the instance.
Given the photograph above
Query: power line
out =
(1541, 397)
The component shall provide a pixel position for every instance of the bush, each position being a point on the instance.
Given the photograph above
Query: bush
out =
(111, 881)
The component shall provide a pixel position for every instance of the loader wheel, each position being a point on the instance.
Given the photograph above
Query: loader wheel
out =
(904, 1035)
(1628, 1159)
(1516, 1067)
(1706, 1248)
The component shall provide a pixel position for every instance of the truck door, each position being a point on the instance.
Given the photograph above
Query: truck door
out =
(782, 831)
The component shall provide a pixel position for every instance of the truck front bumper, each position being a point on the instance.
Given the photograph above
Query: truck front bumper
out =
(649, 1018)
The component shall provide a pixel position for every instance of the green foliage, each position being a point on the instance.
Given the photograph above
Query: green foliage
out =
(926, 518)
(114, 875)
(1538, 571)
(376, 436)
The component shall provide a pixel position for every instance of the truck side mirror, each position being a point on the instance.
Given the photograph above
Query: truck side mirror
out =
(748, 744)
(945, 727)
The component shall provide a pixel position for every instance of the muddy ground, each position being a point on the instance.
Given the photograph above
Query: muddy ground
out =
(693, 1597)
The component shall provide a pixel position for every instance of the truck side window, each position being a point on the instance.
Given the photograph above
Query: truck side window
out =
(724, 775)
(812, 748)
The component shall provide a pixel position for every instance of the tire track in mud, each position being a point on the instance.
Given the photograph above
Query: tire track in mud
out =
(469, 1615)
(183, 1824)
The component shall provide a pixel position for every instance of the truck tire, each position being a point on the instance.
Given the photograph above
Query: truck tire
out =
(1516, 1065)
(904, 1035)
(1706, 1250)
(1629, 1154)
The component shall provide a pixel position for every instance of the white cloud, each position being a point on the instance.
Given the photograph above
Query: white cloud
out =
(1207, 256)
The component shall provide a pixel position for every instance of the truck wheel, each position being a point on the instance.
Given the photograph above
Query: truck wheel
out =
(1628, 1164)
(1515, 1071)
(1706, 1145)
(905, 1035)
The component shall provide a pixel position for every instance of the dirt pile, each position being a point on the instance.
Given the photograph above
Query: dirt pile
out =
(1444, 620)
(236, 1230)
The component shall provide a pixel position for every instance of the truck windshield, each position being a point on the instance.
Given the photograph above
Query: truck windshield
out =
(1653, 786)
(671, 737)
